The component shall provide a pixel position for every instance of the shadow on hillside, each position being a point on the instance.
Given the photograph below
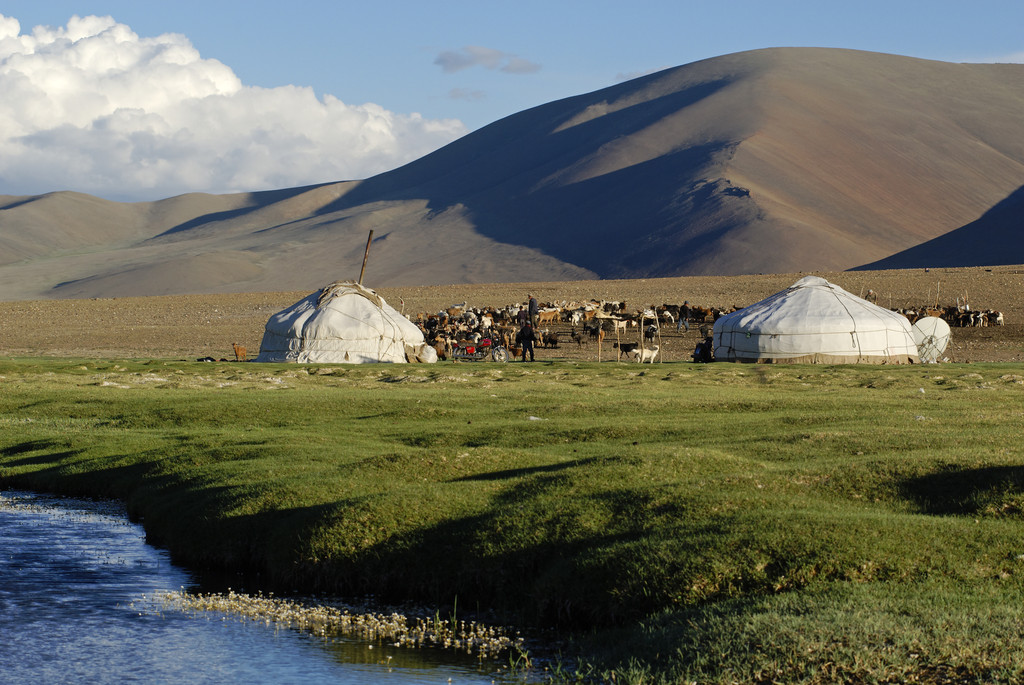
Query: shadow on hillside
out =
(259, 200)
(995, 490)
(533, 179)
(995, 239)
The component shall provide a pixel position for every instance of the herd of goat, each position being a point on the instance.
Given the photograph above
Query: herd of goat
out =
(593, 320)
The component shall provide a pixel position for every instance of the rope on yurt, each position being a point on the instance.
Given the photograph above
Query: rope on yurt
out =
(854, 334)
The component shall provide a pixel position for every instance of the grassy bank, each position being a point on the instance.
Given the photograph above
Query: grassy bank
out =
(713, 523)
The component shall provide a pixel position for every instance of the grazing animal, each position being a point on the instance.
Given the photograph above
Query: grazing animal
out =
(548, 316)
(644, 355)
(625, 348)
(239, 352)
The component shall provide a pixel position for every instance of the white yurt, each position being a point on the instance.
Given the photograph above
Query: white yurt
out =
(814, 322)
(343, 323)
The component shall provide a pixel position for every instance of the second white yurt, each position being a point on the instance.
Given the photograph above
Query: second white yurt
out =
(815, 322)
(343, 323)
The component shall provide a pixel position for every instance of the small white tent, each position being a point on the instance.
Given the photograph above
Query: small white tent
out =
(814, 322)
(343, 323)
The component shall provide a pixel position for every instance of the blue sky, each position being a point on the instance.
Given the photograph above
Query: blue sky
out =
(414, 75)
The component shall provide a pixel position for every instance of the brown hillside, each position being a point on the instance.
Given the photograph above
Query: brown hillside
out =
(972, 245)
(769, 161)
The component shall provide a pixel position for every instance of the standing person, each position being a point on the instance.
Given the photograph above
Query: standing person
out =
(526, 338)
(534, 311)
(522, 317)
(684, 317)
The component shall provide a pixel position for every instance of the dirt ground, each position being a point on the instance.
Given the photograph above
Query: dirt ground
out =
(197, 326)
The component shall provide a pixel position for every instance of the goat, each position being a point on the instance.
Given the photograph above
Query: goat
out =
(548, 316)
(548, 339)
(625, 348)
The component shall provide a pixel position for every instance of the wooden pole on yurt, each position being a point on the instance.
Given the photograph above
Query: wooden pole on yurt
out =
(366, 254)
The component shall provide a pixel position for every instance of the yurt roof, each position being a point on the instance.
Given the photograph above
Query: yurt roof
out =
(344, 322)
(814, 321)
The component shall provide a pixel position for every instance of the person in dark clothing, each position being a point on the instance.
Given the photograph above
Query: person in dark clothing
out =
(526, 337)
(684, 317)
(534, 311)
(705, 350)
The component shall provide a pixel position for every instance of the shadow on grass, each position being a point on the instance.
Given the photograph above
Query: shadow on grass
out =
(564, 571)
(520, 473)
(555, 545)
(30, 446)
(997, 490)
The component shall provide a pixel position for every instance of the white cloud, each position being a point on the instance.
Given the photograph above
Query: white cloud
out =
(518, 65)
(93, 107)
(466, 94)
(451, 61)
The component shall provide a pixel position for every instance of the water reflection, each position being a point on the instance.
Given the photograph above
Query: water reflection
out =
(73, 573)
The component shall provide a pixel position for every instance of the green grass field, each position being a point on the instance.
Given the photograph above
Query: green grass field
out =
(683, 522)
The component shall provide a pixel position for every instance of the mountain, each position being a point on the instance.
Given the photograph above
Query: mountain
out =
(996, 239)
(768, 161)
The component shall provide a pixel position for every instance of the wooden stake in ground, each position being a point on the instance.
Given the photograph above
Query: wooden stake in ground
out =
(366, 254)
(661, 345)
(640, 337)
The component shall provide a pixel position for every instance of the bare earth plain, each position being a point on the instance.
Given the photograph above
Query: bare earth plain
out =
(190, 327)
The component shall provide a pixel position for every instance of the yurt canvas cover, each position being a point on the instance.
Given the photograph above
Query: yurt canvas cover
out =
(342, 323)
(814, 322)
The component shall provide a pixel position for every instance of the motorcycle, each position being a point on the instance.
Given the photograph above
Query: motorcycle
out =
(485, 349)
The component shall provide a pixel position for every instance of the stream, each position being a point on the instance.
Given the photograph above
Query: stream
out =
(77, 604)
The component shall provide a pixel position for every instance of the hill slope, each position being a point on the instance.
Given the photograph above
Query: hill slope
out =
(778, 160)
(997, 238)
